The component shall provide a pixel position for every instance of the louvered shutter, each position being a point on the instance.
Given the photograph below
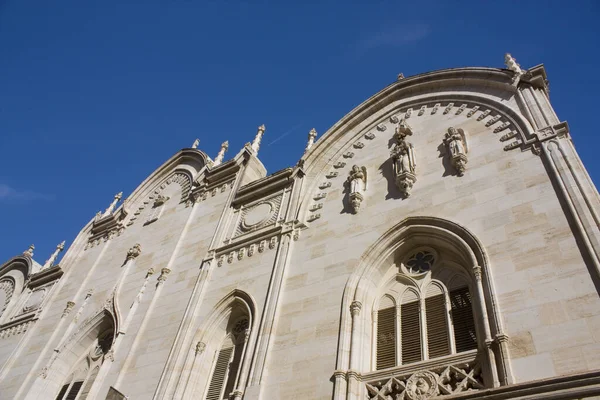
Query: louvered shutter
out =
(462, 319)
(219, 374)
(88, 384)
(74, 390)
(411, 332)
(233, 369)
(62, 392)
(437, 326)
(386, 338)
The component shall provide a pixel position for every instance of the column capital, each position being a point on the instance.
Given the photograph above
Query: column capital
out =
(68, 308)
(164, 272)
(502, 338)
(133, 252)
(478, 272)
(355, 308)
(200, 347)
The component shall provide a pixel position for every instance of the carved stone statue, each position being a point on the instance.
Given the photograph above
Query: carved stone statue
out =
(511, 64)
(456, 143)
(357, 181)
(403, 159)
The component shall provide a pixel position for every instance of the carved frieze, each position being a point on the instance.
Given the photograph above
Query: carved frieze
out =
(472, 112)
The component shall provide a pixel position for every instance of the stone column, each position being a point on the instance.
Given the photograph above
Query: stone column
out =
(265, 329)
(341, 385)
(355, 350)
(243, 371)
(477, 271)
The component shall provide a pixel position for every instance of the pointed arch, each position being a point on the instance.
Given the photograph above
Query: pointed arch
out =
(373, 268)
(72, 353)
(183, 169)
(480, 88)
(13, 277)
(232, 317)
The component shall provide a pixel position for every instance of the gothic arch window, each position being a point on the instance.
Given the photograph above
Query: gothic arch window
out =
(79, 383)
(7, 288)
(425, 313)
(226, 367)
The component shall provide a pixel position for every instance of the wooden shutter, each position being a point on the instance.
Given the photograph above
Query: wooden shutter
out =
(386, 338)
(62, 392)
(437, 326)
(233, 369)
(74, 390)
(411, 332)
(462, 319)
(219, 374)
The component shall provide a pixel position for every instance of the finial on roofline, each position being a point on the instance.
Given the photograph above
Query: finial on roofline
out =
(29, 251)
(221, 154)
(311, 139)
(256, 142)
(195, 144)
(50, 262)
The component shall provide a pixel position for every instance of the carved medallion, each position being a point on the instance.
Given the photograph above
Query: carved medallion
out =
(257, 215)
(422, 386)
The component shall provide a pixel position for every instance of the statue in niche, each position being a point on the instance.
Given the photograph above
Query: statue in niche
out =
(357, 181)
(403, 159)
(456, 143)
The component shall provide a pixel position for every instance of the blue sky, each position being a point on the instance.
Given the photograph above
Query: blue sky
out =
(94, 95)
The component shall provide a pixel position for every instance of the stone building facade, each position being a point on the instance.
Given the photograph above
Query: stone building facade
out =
(442, 239)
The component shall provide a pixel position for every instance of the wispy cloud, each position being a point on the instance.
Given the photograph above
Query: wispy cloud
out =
(393, 36)
(284, 134)
(8, 193)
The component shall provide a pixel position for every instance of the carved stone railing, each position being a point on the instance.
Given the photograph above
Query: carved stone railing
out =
(449, 375)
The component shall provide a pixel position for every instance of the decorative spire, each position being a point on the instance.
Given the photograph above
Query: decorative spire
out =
(29, 251)
(511, 64)
(195, 144)
(311, 139)
(50, 262)
(221, 154)
(112, 206)
(256, 142)
(400, 76)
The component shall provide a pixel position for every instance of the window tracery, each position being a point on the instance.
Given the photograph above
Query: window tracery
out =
(7, 288)
(227, 362)
(425, 313)
(80, 382)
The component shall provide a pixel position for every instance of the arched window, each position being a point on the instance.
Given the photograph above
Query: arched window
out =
(7, 288)
(79, 383)
(425, 313)
(225, 370)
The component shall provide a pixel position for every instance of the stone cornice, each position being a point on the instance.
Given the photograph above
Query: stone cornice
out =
(45, 276)
(263, 187)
